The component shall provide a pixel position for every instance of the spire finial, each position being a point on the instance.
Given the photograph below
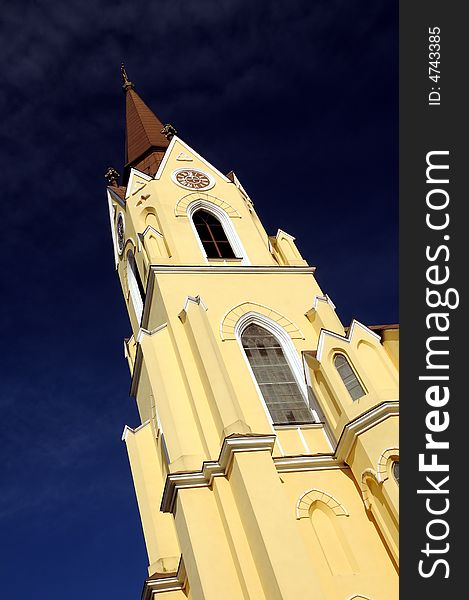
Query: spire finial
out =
(168, 131)
(126, 84)
(112, 176)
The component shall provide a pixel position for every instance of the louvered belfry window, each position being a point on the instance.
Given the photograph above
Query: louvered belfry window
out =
(349, 378)
(274, 376)
(212, 235)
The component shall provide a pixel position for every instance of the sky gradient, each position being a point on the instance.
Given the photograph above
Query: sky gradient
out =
(299, 98)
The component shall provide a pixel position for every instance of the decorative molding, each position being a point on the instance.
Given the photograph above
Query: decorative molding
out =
(284, 464)
(175, 173)
(367, 474)
(306, 500)
(383, 463)
(181, 208)
(347, 339)
(135, 186)
(248, 269)
(194, 300)
(169, 583)
(213, 468)
(231, 318)
(280, 232)
(116, 197)
(362, 423)
(242, 191)
(128, 429)
(183, 156)
(318, 462)
(142, 331)
(325, 299)
(153, 230)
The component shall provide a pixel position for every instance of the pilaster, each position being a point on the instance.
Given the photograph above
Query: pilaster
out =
(218, 386)
(278, 550)
(158, 528)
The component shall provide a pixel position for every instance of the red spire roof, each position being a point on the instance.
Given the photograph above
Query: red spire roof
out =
(144, 142)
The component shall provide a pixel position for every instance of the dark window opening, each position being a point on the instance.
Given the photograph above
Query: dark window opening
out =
(212, 235)
(274, 377)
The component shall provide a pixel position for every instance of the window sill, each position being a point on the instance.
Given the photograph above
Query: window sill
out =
(315, 425)
(224, 261)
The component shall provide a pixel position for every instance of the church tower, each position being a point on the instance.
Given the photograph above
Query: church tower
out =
(266, 460)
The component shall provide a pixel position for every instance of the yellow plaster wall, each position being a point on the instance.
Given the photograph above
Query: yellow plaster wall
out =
(241, 538)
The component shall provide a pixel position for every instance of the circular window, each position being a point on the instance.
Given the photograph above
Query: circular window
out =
(120, 232)
(191, 179)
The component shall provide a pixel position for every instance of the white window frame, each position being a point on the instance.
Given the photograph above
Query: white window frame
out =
(134, 290)
(352, 368)
(289, 351)
(225, 220)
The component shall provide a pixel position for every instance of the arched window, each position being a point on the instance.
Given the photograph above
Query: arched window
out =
(349, 378)
(395, 470)
(279, 387)
(134, 282)
(212, 235)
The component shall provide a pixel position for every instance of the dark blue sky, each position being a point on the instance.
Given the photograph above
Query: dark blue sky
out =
(258, 87)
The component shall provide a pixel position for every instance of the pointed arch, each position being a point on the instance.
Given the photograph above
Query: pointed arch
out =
(225, 221)
(331, 541)
(180, 210)
(347, 373)
(232, 317)
(307, 499)
(212, 235)
(276, 369)
(387, 458)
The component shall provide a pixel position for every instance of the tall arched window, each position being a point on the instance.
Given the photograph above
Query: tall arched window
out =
(280, 390)
(349, 378)
(134, 282)
(212, 235)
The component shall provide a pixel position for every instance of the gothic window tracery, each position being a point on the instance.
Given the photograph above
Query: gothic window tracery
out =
(212, 235)
(274, 376)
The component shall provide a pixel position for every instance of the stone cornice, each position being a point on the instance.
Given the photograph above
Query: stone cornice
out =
(284, 464)
(363, 423)
(318, 462)
(213, 468)
(170, 583)
(236, 268)
(216, 269)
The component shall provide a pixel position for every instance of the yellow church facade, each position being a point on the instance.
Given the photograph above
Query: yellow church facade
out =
(266, 460)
